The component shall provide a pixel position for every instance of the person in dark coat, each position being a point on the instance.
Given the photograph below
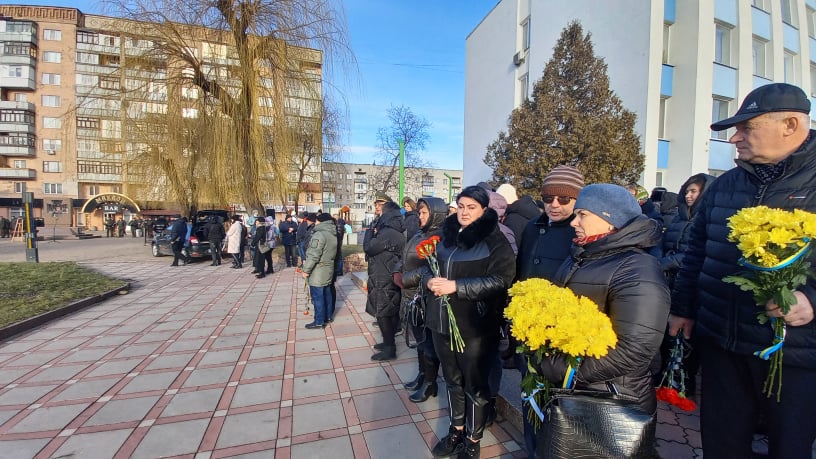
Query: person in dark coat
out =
(411, 218)
(319, 266)
(478, 266)
(544, 246)
(288, 232)
(178, 234)
(520, 210)
(300, 234)
(383, 245)
(215, 234)
(776, 167)
(120, 227)
(338, 267)
(260, 261)
(408, 276)
(608, 265)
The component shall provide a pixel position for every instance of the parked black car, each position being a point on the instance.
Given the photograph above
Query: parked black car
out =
(197, 246)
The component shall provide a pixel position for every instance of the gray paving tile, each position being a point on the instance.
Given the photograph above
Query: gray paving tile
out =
(5, 415)
(316, 417)
(262, 352)
(192, 402)
(263, 369)
(120, 337)
(310, 386)
(84, 388)
(36, 358)
(58, 373)
(137, 350)
(131, 409)
(313, 345)
(246, 428)
(8, 375)
(354, 357)
(186, 345)
(379, 405)
(60, 344)
(170, 361)
(205, 376)
(21, 345)
(172, 439)
(49, 418)
(273, 337)
(116, 367)
(148, 382)
(223, 341)
(335, 448)
(25, 394)
(368, 377)
(312, 363)
(93, 445)
(86, 330)
(159, 336)
(348, 342)
(16, 449)
(257, 393)
(225, 356)
(397, 442)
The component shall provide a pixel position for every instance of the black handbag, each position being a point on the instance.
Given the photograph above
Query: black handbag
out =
(595, 424)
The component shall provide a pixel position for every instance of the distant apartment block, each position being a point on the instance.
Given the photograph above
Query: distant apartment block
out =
(679, 65)
(75, 110)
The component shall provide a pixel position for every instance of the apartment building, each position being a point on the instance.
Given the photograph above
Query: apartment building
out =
(679, 65)
(74, 117)
(355, 186)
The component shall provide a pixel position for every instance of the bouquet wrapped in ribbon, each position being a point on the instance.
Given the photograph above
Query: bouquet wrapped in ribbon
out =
(426, 250)
(775, 244)
(672, 388)
(550, 319)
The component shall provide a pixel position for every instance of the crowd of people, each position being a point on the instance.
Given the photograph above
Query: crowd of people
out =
(653, 266)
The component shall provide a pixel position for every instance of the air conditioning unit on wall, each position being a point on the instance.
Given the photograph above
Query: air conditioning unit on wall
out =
(518, 58)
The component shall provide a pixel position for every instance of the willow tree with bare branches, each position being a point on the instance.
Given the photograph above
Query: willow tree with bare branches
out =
(257, 68)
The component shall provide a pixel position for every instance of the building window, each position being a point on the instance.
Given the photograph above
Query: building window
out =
(524, 86)
(52, 166)
(15, 71)
(525, 34)
(18, 188)
(99, 167)
(87, 37)
(188, 112)
(722, 45)
(93, 190)
(87, 123)
(51, 101)
(761, 4)
(18, 27)
(666, 34)
(52, 56)
(51, 123)
(720, 112)
(759, 50)
(14, 48)
(17, 139)
(189, 93)
(661, 122)
(791, 62)
(789, 12)
(87, 58)
(52, 145)
(116, 188)
(811, 22)
(16, 116)
(52, 35)
(19, 164)
(310, 197)
(290, 197)
(52, 188)
(51, 78)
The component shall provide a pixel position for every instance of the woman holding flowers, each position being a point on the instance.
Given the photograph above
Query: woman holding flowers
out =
(431, 213)
(609, 265)
(476, 266)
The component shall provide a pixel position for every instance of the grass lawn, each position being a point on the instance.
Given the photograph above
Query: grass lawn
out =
(30, 289)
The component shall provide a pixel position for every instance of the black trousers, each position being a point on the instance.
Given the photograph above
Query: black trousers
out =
(466, 375)
(177, 255)
(732, 401)
(215, 251)
(290, 255)
(261, 260)
(388, 328)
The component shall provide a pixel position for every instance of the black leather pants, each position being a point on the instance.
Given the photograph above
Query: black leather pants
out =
(466, 375)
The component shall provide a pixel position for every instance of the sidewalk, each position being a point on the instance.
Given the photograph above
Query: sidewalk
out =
(209, 362)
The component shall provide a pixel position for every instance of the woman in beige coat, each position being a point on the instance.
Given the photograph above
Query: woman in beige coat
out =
(234, 241)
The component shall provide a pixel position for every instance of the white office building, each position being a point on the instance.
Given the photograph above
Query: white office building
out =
(679, 65)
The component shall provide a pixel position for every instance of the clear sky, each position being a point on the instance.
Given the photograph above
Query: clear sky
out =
(409, 52)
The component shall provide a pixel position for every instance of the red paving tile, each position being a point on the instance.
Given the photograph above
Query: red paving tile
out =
(225, 308)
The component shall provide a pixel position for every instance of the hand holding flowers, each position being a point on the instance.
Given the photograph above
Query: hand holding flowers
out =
(426, 250)
(775, 244)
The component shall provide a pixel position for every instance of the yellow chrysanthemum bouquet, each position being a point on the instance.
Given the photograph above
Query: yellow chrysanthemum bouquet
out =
(548, 319)
(775, 244)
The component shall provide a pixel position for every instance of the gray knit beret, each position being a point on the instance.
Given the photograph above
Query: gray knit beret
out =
(612, 203)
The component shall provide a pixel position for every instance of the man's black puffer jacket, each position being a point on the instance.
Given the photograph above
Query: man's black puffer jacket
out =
(723, 312)
(384, 250)
(482, 263)
(544, 247)
(628, 285)
(519, 213)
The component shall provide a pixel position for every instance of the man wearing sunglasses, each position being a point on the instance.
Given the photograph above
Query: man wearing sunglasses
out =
(545, 244)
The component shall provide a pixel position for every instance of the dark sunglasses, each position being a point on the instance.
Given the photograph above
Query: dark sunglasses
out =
(563, 200)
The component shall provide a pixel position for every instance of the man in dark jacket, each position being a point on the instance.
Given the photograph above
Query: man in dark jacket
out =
(776, 167)
(300, 234)
(288, 232)
(520, 210)
(215, 234)
(178, 234)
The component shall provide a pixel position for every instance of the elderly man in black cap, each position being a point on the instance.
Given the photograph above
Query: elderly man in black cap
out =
(776, 167)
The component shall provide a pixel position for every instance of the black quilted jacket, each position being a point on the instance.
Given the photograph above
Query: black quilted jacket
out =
(383, 248)
(482, 263)
(723, 312)
(628, 285)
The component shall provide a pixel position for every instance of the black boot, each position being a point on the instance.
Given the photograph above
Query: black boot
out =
(470, 451)
(379, 346)
(420, 377)
(451, 444)
(424, 392)
(387, 353)
(491, 412)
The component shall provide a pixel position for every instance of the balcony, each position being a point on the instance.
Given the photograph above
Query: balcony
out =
(18, 150)
(17, 174)
(99, 178)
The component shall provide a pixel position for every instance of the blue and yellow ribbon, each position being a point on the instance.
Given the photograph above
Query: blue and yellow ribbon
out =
(782, 264)
(779, 341)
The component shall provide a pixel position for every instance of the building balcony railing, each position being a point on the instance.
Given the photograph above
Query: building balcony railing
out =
(19, 82)
(17, 127)
(18, 59)
(97, 178)
(18, 174)
(97, 48)
(17, 150)
(25, 37)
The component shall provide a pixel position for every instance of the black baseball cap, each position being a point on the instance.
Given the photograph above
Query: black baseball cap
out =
(774, 97)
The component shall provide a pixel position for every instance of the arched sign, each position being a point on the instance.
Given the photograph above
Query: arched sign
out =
(110, 203)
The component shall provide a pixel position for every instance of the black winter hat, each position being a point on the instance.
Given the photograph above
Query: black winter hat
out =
(324, 217)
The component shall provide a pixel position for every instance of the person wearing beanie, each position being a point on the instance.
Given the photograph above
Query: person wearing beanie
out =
(261, 261)
(288, 231)
(545, 244)
(318, 268)
(478, 266)
(508, 192)
(383, 244)
(520, 210)
(608, 266)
